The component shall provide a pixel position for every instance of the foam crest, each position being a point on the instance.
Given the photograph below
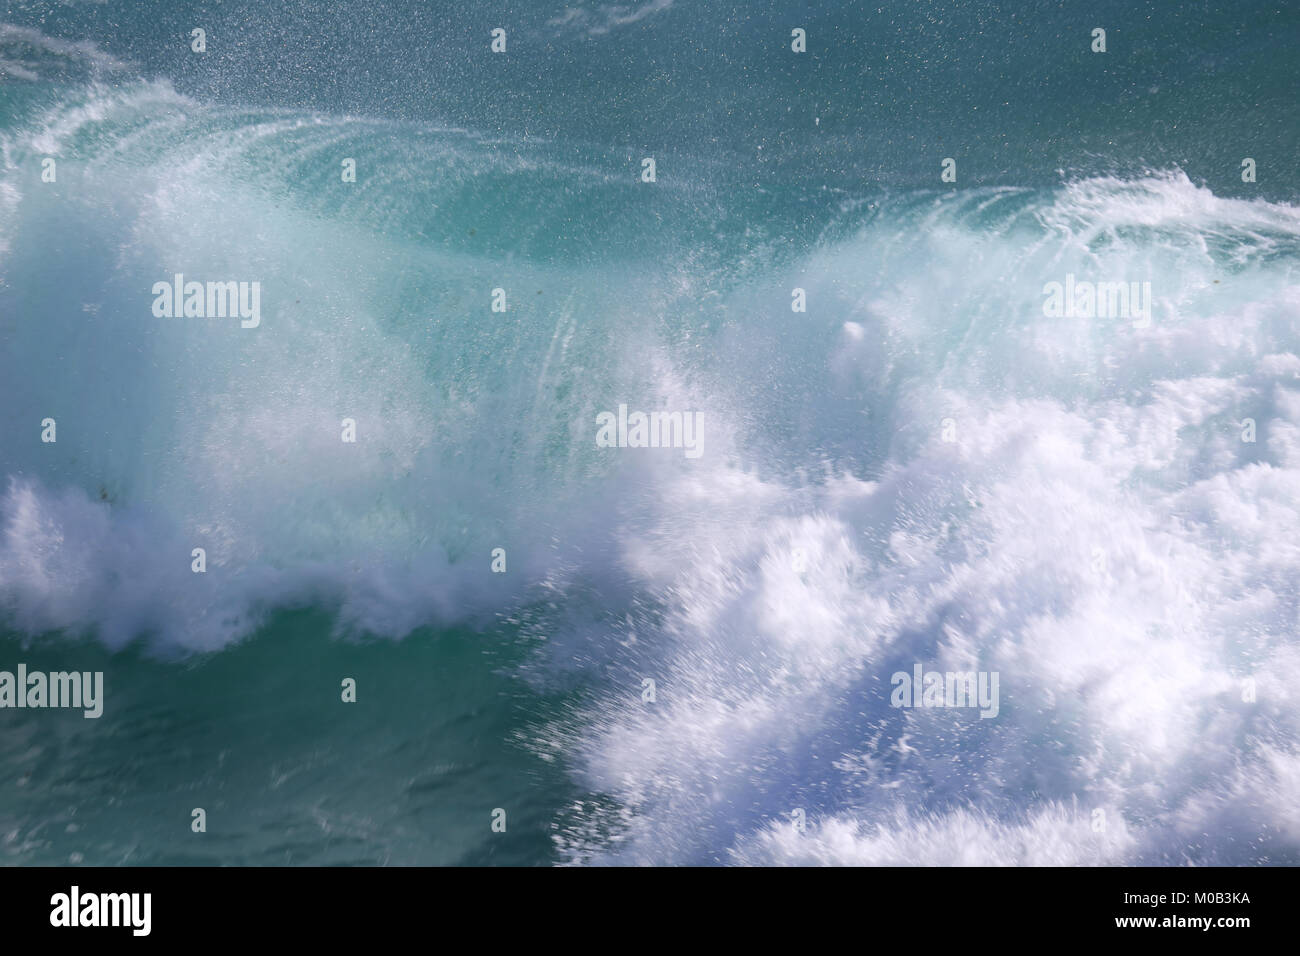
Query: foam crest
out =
(932, 470)
(1118, 554)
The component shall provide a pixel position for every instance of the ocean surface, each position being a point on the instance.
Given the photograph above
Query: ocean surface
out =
(921, 468)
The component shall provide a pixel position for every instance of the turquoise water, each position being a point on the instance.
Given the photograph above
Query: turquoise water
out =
(1098, 533)
(286, 774)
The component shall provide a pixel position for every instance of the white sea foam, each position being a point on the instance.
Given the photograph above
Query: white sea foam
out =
(28, 54)
(1098, 532)
(1110, 546)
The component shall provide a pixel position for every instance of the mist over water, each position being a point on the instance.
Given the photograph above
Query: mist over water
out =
(922, 467)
